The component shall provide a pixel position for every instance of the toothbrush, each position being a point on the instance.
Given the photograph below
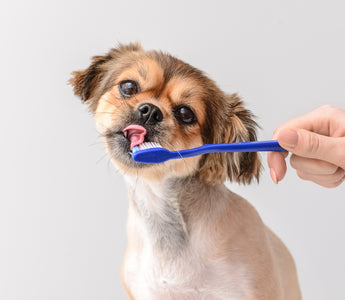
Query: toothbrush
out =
(154, 153)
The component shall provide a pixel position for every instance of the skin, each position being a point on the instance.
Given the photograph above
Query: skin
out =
(317, 144)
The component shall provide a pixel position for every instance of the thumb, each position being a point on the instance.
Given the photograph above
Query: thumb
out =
(312, 145)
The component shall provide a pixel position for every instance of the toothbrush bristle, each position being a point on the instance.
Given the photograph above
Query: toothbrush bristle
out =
(147, 145)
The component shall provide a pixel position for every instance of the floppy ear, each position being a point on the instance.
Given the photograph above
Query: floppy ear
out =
(85, 82)
(231, 123)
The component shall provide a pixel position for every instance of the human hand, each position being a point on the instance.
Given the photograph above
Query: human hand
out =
(317, 143)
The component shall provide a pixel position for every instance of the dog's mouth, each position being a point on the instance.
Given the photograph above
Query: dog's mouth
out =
(135, 134)
(120, 142)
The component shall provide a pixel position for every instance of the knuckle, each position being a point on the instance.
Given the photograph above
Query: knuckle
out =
(335, 179)
(327, 181)
(339, 152)
(293, 161)
(326, 168)
(314, 143)
(327, 107)
(331, 185)
(302, 175)
(330, 111)
(327, 185)
(339, 174)
(332, 169)
(276, 131)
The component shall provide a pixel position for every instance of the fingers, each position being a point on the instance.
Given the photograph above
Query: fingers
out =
(329, 181)
(317, 141)
(318, 171)
(277, 164)
(312, 166)
(309, 144)
(324, 120)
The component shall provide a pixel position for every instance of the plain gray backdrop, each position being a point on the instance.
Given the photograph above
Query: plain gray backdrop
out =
(63, 206)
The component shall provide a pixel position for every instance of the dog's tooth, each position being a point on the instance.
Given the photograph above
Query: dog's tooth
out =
(125, 134)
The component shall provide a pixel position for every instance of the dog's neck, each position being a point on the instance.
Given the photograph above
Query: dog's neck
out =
(157, 204)
(165, 208)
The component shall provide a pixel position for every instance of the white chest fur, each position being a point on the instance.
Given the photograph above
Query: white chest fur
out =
(164, 261)
(152, 278)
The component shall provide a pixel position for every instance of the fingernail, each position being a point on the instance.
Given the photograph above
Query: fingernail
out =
(288, 137)
(274, 176)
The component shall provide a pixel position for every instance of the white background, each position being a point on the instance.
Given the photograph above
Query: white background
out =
(62, 204)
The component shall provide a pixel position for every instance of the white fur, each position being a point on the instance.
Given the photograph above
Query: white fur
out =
(154, 274)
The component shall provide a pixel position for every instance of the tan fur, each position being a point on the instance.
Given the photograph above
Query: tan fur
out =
(189, 237)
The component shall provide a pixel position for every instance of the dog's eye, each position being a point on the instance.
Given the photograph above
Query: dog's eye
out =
(129, 88)
(185, 115)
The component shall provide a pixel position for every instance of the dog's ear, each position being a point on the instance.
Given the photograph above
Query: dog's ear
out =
(230, 123)
(86, 81)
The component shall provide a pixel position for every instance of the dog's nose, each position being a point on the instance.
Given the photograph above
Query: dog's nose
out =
(149, 113)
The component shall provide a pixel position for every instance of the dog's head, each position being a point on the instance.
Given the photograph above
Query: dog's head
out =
(138, 95)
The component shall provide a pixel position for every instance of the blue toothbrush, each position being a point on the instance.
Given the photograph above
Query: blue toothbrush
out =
(154, 153)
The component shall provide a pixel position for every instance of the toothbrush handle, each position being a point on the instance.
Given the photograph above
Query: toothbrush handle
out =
(259, 146)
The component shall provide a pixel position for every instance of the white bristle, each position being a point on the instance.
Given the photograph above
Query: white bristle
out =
(149, 145)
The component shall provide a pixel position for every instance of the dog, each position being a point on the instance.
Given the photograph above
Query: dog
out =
(189, 236)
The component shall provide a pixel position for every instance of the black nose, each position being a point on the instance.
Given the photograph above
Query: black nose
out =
(149, 113)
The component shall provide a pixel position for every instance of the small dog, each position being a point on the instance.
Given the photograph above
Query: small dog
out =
(189, 237)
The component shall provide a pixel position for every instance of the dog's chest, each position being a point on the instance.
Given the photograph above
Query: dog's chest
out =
(151, 272)
(163, 261)
(185, 278)
(150, 278)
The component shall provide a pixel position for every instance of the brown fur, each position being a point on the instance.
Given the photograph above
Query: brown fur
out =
(225, 112)
(189, 237)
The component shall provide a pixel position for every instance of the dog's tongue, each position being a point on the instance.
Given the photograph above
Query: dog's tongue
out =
(135, 133)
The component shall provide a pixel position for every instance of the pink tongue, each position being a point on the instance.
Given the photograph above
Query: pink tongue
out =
(136, 134)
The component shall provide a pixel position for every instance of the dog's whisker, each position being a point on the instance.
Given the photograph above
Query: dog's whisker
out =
(109, 163)
(136, 184)
(96, 143)
(182, 158)
(109, 102)
(104, 112)
(100, 159)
